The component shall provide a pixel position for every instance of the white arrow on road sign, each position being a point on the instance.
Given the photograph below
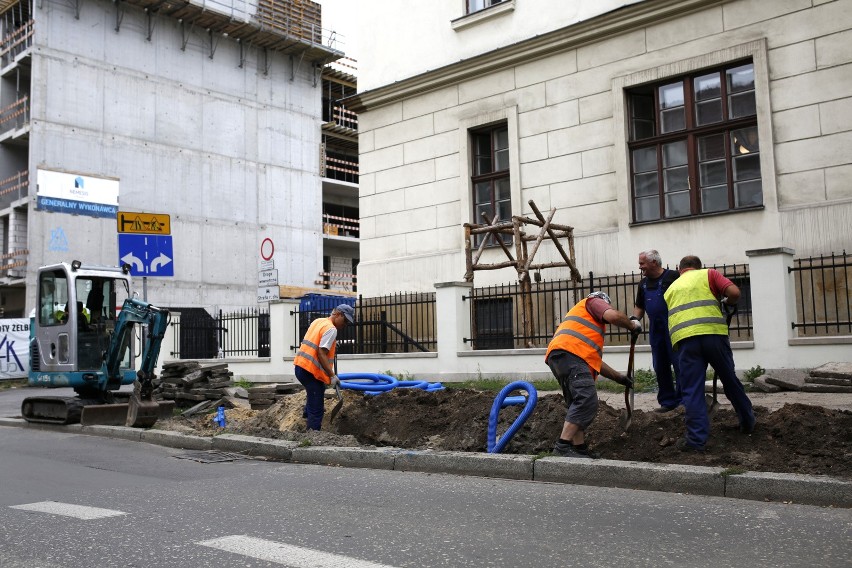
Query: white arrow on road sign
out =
(132, 260)
(161, 260)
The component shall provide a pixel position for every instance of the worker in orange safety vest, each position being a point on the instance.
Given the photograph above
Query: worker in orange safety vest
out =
(314, 368)
(574, 355)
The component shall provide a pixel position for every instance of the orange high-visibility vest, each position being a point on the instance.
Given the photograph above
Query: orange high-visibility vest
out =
(580, 334)
(308, 355)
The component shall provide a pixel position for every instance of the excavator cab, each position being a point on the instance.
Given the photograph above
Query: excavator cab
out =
(77, 312)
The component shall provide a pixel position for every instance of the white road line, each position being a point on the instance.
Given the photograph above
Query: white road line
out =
(69, 510)
(293, 556)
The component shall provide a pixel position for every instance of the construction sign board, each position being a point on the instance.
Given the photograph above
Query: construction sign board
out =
(143, 223)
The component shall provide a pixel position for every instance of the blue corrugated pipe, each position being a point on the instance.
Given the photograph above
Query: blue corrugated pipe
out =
(496, 446)
(379, 383)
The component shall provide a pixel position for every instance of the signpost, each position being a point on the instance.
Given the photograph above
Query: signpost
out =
(267, 277)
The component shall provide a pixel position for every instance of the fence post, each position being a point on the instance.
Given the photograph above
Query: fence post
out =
(282, 335)
(773, 304)
(452, 319)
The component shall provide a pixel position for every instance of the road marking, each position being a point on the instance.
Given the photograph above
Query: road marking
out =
(69, 510)
(288, 555)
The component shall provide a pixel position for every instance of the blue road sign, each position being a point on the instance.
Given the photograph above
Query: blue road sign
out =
(147, 255)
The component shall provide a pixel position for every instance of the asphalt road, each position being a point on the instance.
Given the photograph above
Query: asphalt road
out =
(178, 512)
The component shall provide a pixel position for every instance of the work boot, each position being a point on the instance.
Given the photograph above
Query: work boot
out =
(748, 426)
(685, 446)
(664, 409)
(584, 450)
(566, 450)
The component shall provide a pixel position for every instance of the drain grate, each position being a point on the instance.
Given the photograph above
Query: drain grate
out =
(211, 456)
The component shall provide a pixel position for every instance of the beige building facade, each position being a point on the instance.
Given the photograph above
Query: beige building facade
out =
(693, 127)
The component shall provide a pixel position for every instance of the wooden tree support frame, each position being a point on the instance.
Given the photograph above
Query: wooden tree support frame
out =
(523, 259)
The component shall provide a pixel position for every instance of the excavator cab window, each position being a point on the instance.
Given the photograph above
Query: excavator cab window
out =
(96, 317)
(53, 298)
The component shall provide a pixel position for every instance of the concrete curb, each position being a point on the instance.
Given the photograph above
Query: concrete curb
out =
(121, 432)
(505, 466)
(266, 447)
(807, 489)
(673, 478)
(695, 480)
(176, 440)
(346, 457)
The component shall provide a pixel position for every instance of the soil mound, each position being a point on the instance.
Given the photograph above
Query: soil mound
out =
(795, 439)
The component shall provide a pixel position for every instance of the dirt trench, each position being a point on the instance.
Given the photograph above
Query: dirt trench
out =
(794, 439)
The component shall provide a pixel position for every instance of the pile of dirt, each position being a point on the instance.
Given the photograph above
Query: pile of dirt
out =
(795, 439)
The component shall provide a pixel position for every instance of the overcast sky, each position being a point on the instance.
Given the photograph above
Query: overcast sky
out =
(343, 16)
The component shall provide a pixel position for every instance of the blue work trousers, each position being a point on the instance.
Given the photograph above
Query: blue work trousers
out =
(662, 355)
(694, 354)
(663, 358)
(315, 404)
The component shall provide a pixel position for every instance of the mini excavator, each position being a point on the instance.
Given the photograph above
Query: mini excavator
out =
(82, 336)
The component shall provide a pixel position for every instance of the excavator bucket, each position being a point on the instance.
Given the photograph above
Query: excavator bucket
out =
(138, 414)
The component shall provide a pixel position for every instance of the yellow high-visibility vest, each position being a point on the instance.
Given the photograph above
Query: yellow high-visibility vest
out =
(693, 309)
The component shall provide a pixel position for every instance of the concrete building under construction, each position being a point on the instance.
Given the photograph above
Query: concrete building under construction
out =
(208, 112)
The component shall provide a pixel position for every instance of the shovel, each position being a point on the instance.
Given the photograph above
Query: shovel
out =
(713, 401)
(339, 404)
(626, 417)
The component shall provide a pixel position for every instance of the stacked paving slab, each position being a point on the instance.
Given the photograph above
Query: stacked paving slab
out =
(264, 396)
(831, 377)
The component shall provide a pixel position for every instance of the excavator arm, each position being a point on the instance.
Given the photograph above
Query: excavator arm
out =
(142, 411)
(137, 312)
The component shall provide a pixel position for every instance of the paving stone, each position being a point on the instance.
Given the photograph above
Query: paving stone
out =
(761, 384)
(829, 381)
(813, 387)
(790, 487)
(834, 371)
(786, 381)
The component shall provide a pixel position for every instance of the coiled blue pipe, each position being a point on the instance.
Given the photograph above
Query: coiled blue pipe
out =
(496, 446)
(379, 383)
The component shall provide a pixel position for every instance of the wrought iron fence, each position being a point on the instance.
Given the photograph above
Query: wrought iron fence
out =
(823, 296)
(396, 323)
(242, 333)
(497, 312)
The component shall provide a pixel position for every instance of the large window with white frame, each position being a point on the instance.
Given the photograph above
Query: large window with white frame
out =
(693, 145)
(490, 180)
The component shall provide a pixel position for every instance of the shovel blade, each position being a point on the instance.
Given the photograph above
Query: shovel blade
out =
(625, 419)
(337, 406)
(712, 404)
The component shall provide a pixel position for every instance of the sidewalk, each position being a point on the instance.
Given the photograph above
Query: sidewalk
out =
(773, 401)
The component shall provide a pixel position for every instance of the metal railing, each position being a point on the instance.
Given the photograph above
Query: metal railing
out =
(344, 281)
(16, 42)
(242, 333)
(823, 295)
(337, 226)
(396, 323)
(15, 115)
(341, 167)
(497, 316)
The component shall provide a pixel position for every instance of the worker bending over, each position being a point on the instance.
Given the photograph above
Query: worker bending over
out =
(574, 355)
(314, 368)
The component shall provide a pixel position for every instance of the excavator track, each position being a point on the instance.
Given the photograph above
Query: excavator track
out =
(73, 410)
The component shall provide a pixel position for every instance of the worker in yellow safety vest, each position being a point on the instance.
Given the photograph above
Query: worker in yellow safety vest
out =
(314, 368)
(699, 335)
(574, 355)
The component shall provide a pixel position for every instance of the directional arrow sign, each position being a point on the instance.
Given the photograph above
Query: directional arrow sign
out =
(147, 255)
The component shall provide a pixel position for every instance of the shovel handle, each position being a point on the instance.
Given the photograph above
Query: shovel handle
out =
(628, 392)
